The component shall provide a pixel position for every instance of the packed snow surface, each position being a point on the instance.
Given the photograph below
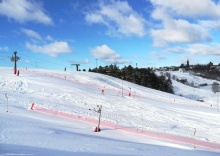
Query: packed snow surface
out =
(28, 132)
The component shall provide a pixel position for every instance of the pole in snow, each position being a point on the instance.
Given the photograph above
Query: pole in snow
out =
(99, 110)
(96, 66)
(129, 94)
(122, 86)
(7, 100)
(217, 101)
(194, 138)
(15, 65)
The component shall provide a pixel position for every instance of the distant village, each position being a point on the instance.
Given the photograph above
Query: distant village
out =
(187, 67)
(209, 71)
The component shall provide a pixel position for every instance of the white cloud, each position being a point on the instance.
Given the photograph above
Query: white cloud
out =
(119, 18)
(31, 33)
(174, 29)
(47, 45)
(181, 31)
(85, 61)
(24, 11)
(176, 50)
(34, 35)
(52, 49)
(157, 56)
(210, 24)
(4, 48)
(190, 8)
(49, 38)
(107, 55)
(204, 49)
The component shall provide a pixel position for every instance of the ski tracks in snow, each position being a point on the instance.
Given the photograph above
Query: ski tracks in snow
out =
(80, 95)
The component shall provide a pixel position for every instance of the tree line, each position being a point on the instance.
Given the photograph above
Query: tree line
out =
(142, 76)
(206, 71)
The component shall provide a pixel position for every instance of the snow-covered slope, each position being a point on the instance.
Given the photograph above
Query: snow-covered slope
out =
(76, 93)
(197, 92)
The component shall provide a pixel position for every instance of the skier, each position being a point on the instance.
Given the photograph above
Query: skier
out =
(102, 91)
(18, 73)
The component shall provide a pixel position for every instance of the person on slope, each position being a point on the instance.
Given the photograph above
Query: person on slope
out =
(102, 92)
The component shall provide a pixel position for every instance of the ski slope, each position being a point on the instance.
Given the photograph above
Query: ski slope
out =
(76, 94)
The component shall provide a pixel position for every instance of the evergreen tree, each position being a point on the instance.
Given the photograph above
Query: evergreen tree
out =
(187, 64)
(143, 76)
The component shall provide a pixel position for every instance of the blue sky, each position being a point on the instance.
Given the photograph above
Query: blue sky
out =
(54, 34)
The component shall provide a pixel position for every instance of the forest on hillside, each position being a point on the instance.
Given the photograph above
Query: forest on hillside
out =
(141, 76)
(206, 71)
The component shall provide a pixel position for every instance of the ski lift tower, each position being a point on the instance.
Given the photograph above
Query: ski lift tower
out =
(77, 66)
